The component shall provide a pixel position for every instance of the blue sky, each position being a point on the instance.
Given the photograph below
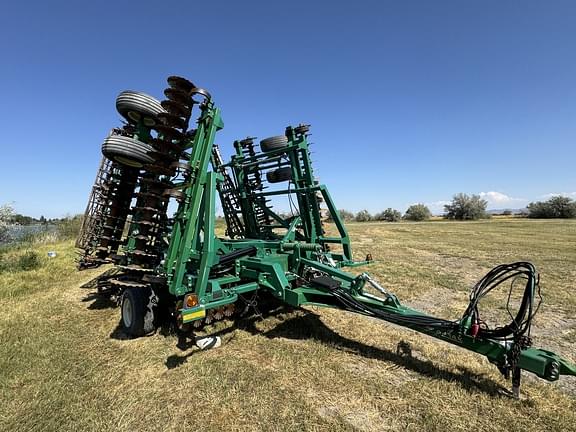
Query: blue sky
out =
(409, 101)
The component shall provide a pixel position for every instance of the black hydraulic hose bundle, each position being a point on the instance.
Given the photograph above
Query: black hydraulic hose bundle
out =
(406, 320)
(518, 327)
(520, 324)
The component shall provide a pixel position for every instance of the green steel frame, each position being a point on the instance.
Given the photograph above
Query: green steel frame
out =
(290, 257)
(280, 262)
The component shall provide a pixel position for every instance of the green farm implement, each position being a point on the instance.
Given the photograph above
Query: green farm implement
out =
(152, 213)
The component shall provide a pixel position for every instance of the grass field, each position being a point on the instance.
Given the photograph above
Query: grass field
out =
(65, 366)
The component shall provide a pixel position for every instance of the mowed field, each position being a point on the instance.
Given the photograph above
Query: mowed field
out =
(65, 366)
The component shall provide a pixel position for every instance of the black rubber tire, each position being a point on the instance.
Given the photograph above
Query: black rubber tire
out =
(127, 151)
(279, 175)
(135, 106)
(138, 311)
(273, 143)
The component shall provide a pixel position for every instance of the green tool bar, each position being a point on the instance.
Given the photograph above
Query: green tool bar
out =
(330, 239)
(260, 157)
(261, 161)
(543, 363)
(287, 191)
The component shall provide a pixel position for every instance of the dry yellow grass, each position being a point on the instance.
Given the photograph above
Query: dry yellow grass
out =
(64, 367)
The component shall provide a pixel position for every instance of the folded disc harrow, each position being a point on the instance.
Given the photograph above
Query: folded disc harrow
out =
(175, 266)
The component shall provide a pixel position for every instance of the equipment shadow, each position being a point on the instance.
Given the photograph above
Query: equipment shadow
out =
(96, 298)
(308, 325)
(95, 282)
(247, 323)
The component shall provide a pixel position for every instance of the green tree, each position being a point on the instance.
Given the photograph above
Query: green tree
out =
(555, 207)
(22, 220)
(389, 215)
(417, 212)
(465, 207)
(363, 216)
(562, 207)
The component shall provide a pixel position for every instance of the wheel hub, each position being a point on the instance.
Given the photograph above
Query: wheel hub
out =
(127, 311)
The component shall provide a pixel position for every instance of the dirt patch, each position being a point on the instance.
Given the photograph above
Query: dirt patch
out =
(435, 301)
(467, 270)
(362, 418)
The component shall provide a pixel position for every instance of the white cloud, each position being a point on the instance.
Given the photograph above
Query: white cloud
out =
(499, 199)
(436, 207)
(565, 194)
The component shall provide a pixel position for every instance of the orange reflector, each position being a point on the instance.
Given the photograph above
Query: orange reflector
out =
(192, 300)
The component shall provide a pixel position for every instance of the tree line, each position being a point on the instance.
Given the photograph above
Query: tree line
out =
(66, 227)
(468, 207)
(462, 207)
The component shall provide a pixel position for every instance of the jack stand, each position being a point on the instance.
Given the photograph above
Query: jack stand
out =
(516, 376)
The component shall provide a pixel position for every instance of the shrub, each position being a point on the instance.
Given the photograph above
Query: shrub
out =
(69, 227)
(417, 212)
(555, 207)
(464, 207)
(363, 216)
(389, 215)
(346, 215)
(30, 260)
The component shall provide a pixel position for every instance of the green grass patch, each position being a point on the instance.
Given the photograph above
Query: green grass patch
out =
(62, 367)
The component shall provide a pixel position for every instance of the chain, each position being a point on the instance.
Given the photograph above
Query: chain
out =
(519, 344)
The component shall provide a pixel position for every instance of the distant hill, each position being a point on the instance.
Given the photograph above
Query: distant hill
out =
(496, 212)
(500, 211)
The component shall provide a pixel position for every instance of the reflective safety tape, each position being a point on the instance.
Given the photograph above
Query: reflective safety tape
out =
(193, 314)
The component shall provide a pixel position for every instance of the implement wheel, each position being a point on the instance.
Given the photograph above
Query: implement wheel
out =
(273, 143)
(279, 175)
(127, 151)
(138, 311)
(137, 106)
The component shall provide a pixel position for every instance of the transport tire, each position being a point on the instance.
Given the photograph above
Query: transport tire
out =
(138, 311)
(279, 175)
(273, 143)
(127, 151)
(137, 106)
